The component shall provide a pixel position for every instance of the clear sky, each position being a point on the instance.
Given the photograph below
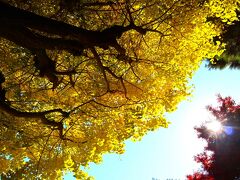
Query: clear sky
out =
(168, 153)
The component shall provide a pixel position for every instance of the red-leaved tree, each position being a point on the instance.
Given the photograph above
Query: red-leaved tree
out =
(221, 157)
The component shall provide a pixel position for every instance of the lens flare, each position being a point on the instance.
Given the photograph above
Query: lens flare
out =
(214, 126)
(228, 130)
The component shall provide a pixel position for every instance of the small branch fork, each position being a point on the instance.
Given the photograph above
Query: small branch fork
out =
(5, 107)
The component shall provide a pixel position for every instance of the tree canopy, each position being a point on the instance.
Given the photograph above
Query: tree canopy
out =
(230, 58)
(78, 78)
(224, 161)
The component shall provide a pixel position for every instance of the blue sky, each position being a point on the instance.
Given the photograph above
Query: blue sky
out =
(168, 153)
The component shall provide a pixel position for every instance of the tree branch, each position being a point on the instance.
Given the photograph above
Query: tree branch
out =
(27, 38)
(18, 18)
(100, 65)
(5, 107)
(35, 33)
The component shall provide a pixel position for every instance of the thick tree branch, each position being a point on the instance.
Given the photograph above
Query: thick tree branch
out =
(26, 38)
(36, 33)
(41, 115)
(5, 107)
(46, 66)
(37, 44)
(14, 17)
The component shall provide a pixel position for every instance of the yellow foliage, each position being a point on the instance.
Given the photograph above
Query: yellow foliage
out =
(128, 101)
(224, 9)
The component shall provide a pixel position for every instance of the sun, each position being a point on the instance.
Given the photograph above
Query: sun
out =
(214, 126)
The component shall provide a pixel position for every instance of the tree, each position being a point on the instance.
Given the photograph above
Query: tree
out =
(230, 38)
(78, 78)
(224, 161)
